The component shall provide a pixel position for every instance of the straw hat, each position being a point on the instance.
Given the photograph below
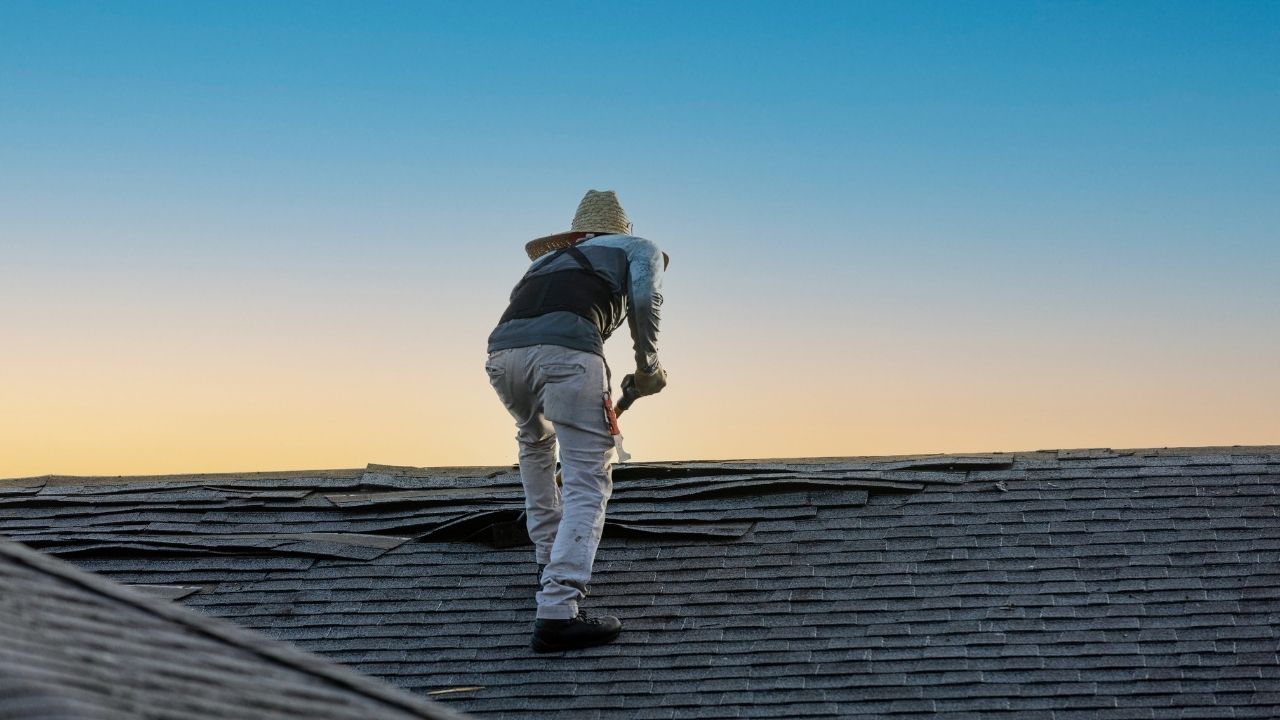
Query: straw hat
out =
(599, 213)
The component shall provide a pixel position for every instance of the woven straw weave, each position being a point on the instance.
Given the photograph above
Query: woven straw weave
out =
(599, 213)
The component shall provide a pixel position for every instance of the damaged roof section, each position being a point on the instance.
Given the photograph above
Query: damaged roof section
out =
(359, 515)
(75, 645)
(1056, 585)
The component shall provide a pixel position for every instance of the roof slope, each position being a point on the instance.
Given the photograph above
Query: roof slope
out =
(1089, 584)
(77, 646)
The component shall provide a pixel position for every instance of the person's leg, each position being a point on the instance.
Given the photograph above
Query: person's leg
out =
(512, 374)
(572, 391)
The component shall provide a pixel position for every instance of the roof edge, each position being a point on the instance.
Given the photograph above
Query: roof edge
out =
(55, 480)
(229, 633)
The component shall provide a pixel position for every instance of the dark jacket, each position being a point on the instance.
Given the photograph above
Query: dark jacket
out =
(577, 299)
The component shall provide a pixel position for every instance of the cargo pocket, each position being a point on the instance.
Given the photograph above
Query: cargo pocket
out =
(566, 397)
(497, 380)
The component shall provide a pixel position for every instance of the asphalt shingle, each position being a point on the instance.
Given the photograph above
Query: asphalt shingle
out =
(1095, 583)
(74, 645)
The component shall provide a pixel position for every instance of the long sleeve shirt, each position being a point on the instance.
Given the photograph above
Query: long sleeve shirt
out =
(631, 269)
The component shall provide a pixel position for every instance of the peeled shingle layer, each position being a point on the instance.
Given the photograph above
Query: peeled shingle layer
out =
(1069, 584)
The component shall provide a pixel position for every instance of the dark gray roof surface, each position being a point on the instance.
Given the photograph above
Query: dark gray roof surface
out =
(75, 646)
(1069, 584)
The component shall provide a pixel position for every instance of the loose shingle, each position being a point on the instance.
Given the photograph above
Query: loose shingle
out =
(1096, 584)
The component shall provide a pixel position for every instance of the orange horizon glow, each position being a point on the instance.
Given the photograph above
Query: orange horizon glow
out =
(250, 237)
(198, 385)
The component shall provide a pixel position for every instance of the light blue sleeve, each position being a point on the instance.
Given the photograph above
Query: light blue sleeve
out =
(644, 293)
(644, 312)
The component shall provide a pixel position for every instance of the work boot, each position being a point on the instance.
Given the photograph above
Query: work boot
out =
(580, 632)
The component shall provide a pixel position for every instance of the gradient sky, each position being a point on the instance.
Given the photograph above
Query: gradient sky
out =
(254, 236)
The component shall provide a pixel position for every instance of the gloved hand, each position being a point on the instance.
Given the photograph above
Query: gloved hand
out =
(642, 383)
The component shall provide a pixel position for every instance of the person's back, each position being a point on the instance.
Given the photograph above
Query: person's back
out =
(546, 362)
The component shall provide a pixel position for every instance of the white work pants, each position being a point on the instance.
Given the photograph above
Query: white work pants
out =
(555, 392)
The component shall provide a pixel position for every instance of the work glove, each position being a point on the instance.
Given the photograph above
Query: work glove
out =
(643, 383)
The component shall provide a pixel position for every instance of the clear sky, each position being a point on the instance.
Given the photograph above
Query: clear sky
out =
(253, 236)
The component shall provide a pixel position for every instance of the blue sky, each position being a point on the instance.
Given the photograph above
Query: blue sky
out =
(988, 116)
(1071, 178)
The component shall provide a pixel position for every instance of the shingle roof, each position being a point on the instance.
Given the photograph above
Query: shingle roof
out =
(1089, 584)
(78, 646)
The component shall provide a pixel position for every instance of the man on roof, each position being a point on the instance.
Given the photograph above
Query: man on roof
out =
(546, 362)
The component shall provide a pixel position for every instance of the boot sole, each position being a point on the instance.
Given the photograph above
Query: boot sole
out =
(542, 646)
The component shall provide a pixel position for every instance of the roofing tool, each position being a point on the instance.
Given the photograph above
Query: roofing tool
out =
(612, 413)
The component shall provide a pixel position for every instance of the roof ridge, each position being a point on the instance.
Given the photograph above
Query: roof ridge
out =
(376, 469)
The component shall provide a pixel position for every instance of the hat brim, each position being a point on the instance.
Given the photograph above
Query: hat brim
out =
(550, 243)
(543, 245)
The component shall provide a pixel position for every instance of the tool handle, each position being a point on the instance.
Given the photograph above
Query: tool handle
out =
(625, 402)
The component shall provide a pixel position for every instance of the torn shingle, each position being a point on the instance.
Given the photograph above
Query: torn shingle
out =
(1097, 583)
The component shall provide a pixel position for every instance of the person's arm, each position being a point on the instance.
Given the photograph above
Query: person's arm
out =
(644, 308)
(646, 264)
